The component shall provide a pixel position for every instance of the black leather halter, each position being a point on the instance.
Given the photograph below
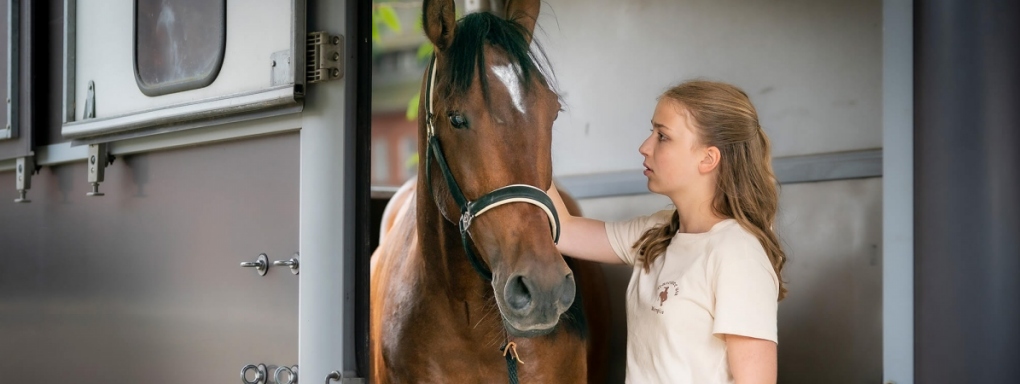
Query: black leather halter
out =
(516, 193)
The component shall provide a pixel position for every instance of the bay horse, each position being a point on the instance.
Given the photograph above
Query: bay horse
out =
(467, 285)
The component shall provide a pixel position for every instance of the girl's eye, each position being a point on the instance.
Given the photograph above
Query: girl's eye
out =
(458, 120)
(662, 137)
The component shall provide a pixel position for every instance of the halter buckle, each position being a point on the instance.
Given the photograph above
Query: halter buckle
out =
(465, 220)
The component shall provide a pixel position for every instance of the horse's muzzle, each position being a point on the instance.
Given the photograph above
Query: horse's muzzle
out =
(533, 305)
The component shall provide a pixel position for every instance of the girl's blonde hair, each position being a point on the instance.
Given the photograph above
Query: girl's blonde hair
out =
(746, 188)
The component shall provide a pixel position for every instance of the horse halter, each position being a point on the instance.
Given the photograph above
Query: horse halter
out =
(515, 193)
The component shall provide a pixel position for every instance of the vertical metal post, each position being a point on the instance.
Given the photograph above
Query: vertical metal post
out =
(967, 180)
(897, 192)
(327, 187)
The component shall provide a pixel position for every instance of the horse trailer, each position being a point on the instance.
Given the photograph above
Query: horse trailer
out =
(192, 189)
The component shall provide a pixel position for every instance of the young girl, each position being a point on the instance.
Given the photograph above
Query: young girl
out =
(702, 299)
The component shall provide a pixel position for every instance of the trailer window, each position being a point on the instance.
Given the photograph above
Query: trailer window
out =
(179, 44)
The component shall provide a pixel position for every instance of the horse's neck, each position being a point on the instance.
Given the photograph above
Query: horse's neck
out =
(447, 268)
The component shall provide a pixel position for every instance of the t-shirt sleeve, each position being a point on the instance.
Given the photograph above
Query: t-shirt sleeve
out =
(623, 234)
(746, 293)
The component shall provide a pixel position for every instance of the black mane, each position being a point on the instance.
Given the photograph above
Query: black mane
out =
(467, 51)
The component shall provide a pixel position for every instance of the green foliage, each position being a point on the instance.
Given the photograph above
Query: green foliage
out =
(384, 14)
(412, 107)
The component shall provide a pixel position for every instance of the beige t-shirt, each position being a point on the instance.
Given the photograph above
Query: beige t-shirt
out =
(707, 284)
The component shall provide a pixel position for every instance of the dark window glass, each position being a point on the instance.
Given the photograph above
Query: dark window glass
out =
(179, 44)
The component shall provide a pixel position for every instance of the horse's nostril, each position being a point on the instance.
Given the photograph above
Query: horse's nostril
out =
(568, 291)
(517, 294)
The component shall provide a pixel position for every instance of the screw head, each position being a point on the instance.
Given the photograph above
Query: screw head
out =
(21, 168)
(274, 63)
(336, 56)
(336, 40)
(336, 72)
(92, 159)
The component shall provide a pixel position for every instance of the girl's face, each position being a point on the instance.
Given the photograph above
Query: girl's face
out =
(672, 152)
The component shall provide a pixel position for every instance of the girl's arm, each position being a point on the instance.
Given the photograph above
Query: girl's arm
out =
(581, 237)
(752, 361)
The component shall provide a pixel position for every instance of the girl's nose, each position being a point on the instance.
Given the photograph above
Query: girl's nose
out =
(645, 148)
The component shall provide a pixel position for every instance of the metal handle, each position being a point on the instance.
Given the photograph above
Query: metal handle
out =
(334, 376)
(294, 263)
(291, 371)
(261, 264)
(260, 374)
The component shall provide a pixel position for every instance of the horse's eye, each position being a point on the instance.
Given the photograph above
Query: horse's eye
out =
(457, 120)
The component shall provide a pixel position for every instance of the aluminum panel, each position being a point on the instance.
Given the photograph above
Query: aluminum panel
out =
(143, 285)
(20, 96)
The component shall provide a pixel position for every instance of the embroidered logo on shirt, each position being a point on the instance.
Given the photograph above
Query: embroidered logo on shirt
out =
(663, 291)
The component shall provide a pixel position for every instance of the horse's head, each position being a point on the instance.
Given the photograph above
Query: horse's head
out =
(491, 111)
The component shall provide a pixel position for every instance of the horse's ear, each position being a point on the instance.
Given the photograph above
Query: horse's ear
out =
(438, 20)
(525, 13)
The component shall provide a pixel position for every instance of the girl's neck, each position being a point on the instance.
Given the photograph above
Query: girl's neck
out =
(696, 212)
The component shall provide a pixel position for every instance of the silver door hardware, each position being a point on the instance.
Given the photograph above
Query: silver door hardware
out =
(261, 264)
(339, 377)
(90, 102)
(325, 57)
(25, 168)
(291, 375)
(334, 376)
(99, 158)
(293, 263)
(260, 374)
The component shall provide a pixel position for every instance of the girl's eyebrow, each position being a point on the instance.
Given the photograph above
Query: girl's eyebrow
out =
(660, 126)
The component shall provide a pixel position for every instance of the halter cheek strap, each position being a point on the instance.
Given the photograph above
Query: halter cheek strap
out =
(516, 193)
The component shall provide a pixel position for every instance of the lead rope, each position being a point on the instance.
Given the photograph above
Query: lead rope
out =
(512, 358)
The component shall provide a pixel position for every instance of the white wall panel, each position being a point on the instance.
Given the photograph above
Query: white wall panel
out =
(812, 68)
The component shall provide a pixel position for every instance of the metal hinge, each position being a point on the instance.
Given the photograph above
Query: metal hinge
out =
(325, 57)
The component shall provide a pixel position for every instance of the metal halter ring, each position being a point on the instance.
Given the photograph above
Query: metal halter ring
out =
(465, 220)
(260, 374)
(291, 372)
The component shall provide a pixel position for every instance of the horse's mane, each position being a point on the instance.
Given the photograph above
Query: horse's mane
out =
(467, 52)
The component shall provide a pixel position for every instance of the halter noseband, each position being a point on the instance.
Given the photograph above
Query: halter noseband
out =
(516, 193)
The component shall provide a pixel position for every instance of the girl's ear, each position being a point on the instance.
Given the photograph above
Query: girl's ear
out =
(710, 159)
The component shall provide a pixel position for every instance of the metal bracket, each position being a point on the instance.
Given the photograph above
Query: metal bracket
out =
(99, 158)
(281, 72)
(25, 168)
(325, 57)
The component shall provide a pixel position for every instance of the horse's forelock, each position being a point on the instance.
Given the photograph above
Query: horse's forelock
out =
(467, 53)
